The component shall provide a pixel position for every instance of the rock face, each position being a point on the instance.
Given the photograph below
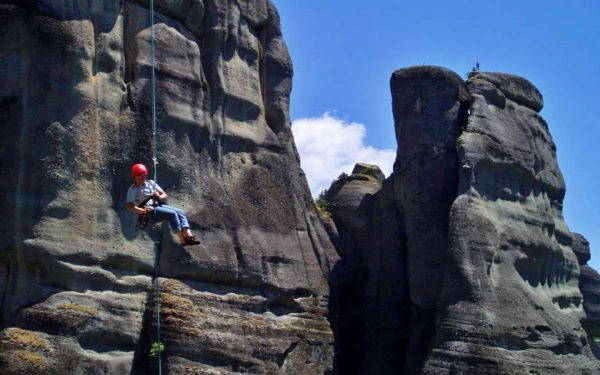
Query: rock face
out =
(589, 284)
(350, 197)
(76, 285)
(428, 120)
(368, 285)
(460, 262)
(464, 253)
(510, 301)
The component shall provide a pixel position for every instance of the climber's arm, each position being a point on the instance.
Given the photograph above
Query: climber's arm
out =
(161, 195)
(137, 210)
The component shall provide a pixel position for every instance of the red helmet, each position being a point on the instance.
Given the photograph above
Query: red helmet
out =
(139, 170)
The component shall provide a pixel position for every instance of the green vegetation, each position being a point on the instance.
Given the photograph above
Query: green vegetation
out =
(157, 348)
(323, 205)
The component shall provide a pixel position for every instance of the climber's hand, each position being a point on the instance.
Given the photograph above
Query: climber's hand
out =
(149, 209)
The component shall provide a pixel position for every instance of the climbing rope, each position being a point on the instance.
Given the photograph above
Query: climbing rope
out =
(155, 166)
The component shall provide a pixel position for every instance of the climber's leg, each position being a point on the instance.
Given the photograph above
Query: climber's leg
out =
(165, 212)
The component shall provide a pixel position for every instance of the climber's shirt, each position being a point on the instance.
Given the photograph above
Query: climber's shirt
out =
(138, 194)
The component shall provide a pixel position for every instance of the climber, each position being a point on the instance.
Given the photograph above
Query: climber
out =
(145, 197)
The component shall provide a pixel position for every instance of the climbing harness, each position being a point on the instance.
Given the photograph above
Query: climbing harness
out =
(155, 167)
(148, 217)
(143, 219)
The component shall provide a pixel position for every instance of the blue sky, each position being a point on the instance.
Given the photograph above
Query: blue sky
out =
(344, 53)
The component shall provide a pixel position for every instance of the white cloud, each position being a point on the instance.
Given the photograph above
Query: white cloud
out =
(329, 146)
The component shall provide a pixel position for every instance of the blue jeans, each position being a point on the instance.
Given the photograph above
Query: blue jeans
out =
(175, 216)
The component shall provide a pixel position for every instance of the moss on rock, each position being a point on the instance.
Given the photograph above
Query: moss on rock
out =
(32, 359)
(79, 308)
(20, 337)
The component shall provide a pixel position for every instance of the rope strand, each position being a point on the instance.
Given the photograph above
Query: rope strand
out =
(154, 152)
(155, 165)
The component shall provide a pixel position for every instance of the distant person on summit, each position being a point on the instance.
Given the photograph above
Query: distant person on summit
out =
(145, 197)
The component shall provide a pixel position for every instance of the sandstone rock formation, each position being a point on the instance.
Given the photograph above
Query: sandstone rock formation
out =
(466, 264)
(368, 286)
(510, 301)
(589, 284)
(350, 196)
(459, 262)
(76, 292)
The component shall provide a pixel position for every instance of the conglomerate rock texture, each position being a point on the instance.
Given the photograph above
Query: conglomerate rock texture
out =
(368, 285)
(589, 284)
(458, 263)
(76, 284)
(510, 300)
(462, 261)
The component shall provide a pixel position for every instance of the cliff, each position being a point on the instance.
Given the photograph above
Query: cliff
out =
(589, 284)
(459, 262)
(76, 284)
(466, 264)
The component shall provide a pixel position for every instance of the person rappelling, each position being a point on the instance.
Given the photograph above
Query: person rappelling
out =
(145, 198)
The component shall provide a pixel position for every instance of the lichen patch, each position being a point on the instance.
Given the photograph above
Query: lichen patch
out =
(23, 338)
(79, 308)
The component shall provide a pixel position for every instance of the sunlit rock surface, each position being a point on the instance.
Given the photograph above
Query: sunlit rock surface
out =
(459, 262)
(510, 301)
(462, 262)
(75, 113)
